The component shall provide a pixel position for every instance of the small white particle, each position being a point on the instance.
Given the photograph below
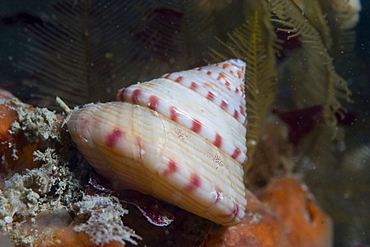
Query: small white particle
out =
(8, 219)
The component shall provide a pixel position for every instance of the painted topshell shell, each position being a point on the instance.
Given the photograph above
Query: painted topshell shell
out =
(180, 138)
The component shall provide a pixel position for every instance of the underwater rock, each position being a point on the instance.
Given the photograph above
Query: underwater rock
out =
(15, 150)
(41, 191)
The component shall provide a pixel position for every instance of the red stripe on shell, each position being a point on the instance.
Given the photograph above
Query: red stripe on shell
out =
(225, 65)
(113, 137)
(240, 74)
(236, 114)
(236, 153)
(196, 126)
(245, 161)
(174, 114)
(153, 102)
(220, 76)
(179, 79)
(241, 110)
(233, 213)
(236, 209)
(194, 86)
(224, 105)
(172, 167)
(210, 96)
(121, 95)
(218, 141)
(136, 94)
(194, 183)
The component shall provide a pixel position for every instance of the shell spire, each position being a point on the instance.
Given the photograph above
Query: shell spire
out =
(221, 87)
(180, 138)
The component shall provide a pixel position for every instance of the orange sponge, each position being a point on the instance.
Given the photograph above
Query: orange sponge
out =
(304, 222)
(259, 227)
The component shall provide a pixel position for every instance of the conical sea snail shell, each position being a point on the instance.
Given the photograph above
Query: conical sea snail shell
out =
(180, 138)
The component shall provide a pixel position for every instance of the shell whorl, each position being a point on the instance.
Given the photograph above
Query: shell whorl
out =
(180, 138)
(222, 89)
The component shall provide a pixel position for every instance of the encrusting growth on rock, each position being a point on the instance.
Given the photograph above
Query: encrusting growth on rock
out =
(39, 189)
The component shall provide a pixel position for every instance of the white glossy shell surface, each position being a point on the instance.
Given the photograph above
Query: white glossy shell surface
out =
(181, 143)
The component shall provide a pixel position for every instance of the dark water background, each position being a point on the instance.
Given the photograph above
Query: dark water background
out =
(344, 192)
